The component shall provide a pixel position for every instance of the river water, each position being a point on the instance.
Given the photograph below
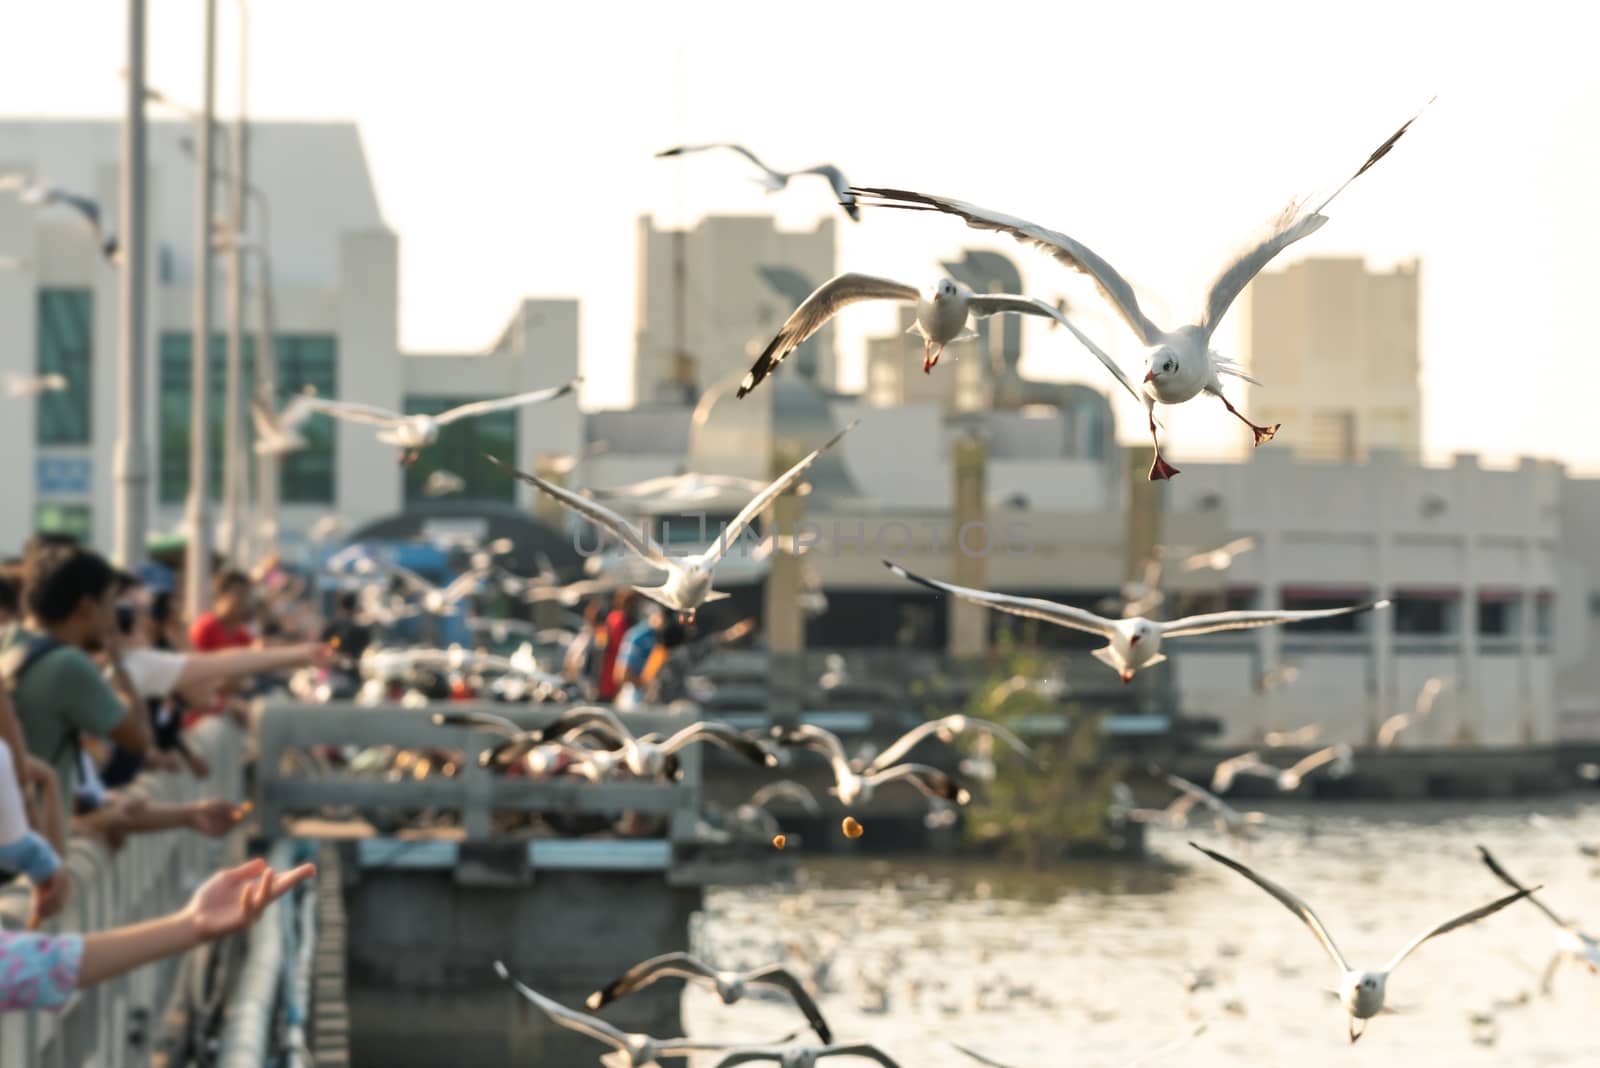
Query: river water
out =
(1091, 965)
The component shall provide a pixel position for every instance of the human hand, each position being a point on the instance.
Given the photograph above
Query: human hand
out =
(233, 899)
(49, 898)
(216, 817)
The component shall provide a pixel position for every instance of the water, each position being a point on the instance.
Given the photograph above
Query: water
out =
(1086, 965)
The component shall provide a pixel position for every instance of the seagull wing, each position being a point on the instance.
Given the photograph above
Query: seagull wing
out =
(841, 187)
(1071, 253)
(482, 720)
(930, 782)
(777, 177)
(519, 400)
(815, 311)
(746, 1056)
(1243, 764)
(352, 412)
(1307, 764)
(595, 513)
(641, 975)
(980, 1058)
(905, 743)
(1290, 902)
(1050, 311)
(909, 740)
(786, 790)
(818, 739)
(1217, 621)
(1511, 881)
(1028, 607)
(719, 734)
(776, 975)
(763, 500)
(860, 1049)
(568, 1018)
(1460, 921)
(1291, 226)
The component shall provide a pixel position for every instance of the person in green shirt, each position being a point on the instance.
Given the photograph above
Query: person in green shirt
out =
(69, 612)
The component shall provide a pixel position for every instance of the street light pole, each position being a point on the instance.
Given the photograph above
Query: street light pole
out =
(131, 462)
(234, 471)
(197, 565)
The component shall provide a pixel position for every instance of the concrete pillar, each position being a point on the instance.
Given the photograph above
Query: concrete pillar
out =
(969, 623)
(1385, 465)
(1470, 724)
(783, 622)
(1142, 515)
(1526, 619)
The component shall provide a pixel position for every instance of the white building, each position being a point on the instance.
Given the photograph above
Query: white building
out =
(336, 292)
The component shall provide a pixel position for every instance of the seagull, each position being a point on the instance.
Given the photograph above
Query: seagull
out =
(773, 180)
(1226, 818)
(942, 316)
(854, 788)
(1585, 847)
(1275, 678)
(436, 600)
(34, 385)
(1571, 943)
(1306, 735)
(1389, 732)
(1180, 364)
(413, 433)
(785, 790)
(1289, 779)
(806, 1056)
(1134, 643)
(278, 433)
(1220, 558)
(442, 483)
(1140, 596)
(43, 196)
(946, 729)
(631, 1050)
(1361, 992)
(730, 986)
(689, 577)
(1155, 1054)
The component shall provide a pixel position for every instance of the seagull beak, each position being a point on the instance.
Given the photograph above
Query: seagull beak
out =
(1134, 640)
(1150, 375)
(937, 296)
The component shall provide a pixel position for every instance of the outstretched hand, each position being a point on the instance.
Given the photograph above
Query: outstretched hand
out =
(234, 899)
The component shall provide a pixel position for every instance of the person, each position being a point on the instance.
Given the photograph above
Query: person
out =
(24, 850)
(58, 691)
(580, 664)
(617, 622)
(224, 627)
(350, 635)
(638, 644)
(41, 971)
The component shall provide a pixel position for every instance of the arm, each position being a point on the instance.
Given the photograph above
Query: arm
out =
(229, 901)
(17, 746)
(133, 734)
(204, 670)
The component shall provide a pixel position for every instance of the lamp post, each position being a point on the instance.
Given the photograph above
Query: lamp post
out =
(197, 564)
(234, 475)
(130, 499)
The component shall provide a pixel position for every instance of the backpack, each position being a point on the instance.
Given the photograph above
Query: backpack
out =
(35, 651)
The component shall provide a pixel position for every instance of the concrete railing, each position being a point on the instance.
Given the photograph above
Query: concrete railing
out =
(111, 1025)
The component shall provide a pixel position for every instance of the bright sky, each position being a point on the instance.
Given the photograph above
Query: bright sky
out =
(511, 143)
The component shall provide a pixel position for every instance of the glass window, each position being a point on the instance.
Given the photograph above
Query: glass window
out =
(460, 450)
(1498, 616)
(50, 517)
(65, 333)
(303, 360)
(1424, 615)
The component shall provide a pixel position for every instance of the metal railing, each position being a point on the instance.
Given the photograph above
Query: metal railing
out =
(112, 1025)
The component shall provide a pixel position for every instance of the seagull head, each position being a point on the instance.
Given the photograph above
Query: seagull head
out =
(944, 290)
(1163, 365)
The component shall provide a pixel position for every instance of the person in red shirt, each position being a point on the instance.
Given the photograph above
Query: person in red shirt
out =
(222, 628)
(616, 625)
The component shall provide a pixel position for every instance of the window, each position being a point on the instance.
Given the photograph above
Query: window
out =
(1497, 617)
(1424, 615)
(52, 518)
(65, 335)
(305, 477)
(460, 450)
(1331, 437)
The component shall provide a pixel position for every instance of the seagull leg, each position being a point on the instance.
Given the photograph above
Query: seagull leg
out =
(1356, 1032)
(1160, 470)
(931, 351)
(1263, 434)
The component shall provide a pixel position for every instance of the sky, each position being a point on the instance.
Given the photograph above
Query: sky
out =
(512, 145)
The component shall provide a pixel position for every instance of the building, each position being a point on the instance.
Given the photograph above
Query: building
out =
(335, 300)
(711, 297)
(1337, 346)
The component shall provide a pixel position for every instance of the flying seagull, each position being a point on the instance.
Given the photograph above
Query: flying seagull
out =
(34, 385)
(730, 986)
(774, 180)
(1287, 779)
(629, 1050)
(947, 729)
(1179, 364)
(1361, 992)
(855, 788)
(1220, 558)
(942, 316)
(442, 483)
(806, 1056)
(1134, 643)
(277, 432)
(87, 209)
(413, 433)
(1389, 732)
(1226, 818)
(689, 577)
(1571, 942)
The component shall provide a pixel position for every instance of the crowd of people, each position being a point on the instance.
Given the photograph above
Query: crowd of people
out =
(631, 651)
(100, 681)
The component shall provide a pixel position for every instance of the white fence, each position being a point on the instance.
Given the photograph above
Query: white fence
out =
(113, 1025)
